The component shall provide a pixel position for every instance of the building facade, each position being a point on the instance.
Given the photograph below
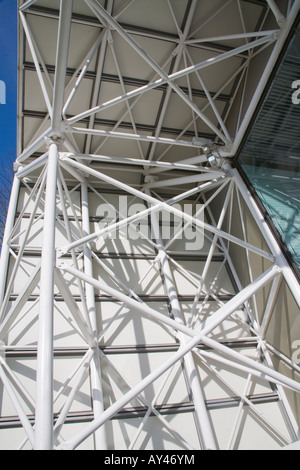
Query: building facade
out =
(149, 295)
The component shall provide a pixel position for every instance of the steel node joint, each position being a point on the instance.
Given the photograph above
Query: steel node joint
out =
(55, 138)
(17, 166)
(59, 254)
(217, 155)
(64, 155)
(277, 265)
(276, 35)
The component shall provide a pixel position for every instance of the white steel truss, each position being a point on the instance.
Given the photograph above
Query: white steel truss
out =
(113, 341)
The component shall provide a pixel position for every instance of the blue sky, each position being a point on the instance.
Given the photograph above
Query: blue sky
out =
(8, 81)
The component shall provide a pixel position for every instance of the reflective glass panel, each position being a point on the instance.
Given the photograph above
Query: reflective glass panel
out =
(270, 157)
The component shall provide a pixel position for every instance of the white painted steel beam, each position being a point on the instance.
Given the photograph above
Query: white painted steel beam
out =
(229, 37)
(280, 18)
(10, 220)
(84, 326)
(37, 163)
(280, 259)
(131, 136)
(99, 72)
(18, 260)
(203, 424)
(197, 349)
(187, 164)
(34, 147)
(127, 397)
(20, 412)
(184, 180)
(37, 59)
(265, 372)
(27, 4)
(284, 32)
(114, 24)
(180, 51)
(202, 334)
(157, 205)
(212, 249)
(63, 41)
(82, 375)
(84, 69)
(175, 76)
(252, 366)
(44, 393)
(96, 378)
(19, 304)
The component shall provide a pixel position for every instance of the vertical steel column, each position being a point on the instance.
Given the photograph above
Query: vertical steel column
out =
(44, 393)
(203, 424)
(96, 383)
(4, 260)
(44, 397)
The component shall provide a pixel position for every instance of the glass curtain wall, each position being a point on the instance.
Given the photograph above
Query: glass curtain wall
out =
(270, 156)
